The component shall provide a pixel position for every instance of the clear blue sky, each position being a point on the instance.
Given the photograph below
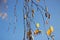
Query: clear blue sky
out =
(53, 8)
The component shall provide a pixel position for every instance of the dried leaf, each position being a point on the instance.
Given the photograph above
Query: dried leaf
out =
(25, 16)
(46, 21)
(37, 0)
(4, 16)
(5, 1)
(0, 14)
(47, 15)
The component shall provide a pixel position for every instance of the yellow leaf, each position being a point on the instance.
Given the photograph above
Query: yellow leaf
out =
(48, 32)
(37, 31)
(37, 25)
(51, 28)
